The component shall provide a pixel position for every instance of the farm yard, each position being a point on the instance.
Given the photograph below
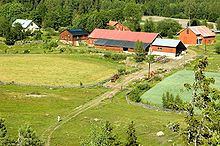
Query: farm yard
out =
(94, 73)
(55, 70)
(40, 107)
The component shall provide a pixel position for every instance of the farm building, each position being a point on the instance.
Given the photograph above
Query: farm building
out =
(197, 35)
(26, 24)
(118, 26)
(118, 45)
(121, 37)
(167, 47)
(73, 36)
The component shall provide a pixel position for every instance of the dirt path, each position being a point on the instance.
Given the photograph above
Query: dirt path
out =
(116, 87)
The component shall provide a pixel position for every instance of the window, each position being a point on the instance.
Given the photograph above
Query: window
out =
(90, 41)
(159, 48)
(125, 49)
(199, 41)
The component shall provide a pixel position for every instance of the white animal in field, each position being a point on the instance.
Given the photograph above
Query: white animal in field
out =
(160, 133)
(58, 118)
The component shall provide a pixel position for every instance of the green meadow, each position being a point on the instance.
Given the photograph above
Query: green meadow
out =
(39, 107)
(175, 85)
(57, 70)
(147, 123)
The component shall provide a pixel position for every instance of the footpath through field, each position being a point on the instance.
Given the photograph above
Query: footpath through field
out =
(115, 88)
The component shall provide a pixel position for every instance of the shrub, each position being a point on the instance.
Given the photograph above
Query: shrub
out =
(134, 95)
(122, 71)
(137, 91)
(53, 44)
(217, 49)
(171, 102)
(37, 35)
(62, 50)
(107, 55)
(26, 51)
(114, 56)
(118, 57)
(9, 42)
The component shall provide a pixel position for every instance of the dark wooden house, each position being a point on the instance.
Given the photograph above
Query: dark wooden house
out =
(73, 36)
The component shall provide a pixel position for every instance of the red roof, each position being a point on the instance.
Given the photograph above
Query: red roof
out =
(123, 35)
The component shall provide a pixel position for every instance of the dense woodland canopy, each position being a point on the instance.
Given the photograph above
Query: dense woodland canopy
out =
(89, 14)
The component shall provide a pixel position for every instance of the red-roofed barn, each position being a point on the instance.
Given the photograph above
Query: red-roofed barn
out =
(197, 35)
(122, 36)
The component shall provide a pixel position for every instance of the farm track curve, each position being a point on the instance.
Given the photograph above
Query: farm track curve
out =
(116, 87)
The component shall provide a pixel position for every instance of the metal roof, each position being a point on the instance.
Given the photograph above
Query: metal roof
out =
(78, 31)
(118, 43)
(123, 35)
(166, 42)
(24, 22)
(202, 30)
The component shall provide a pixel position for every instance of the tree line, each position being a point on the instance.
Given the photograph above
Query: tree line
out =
(96, 13)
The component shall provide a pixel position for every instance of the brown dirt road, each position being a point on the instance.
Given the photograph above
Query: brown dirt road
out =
(115, 88)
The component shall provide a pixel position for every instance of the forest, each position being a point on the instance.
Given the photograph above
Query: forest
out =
(90, 14)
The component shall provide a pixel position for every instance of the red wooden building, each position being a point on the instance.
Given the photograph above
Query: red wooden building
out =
(125, 38)
(118, 26)
(118, 45)
(167, 47)
(197, 35)
(73, 36)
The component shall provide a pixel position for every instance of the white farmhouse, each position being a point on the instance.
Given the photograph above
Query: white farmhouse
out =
(26, 24)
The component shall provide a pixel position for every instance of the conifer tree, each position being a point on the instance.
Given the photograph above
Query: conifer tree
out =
(131, 135)
(203, 128)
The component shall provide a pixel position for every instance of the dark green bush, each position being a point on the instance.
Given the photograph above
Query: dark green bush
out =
(26, 51)
(62, 50)
(53, 44)
(122, 71)
(217, 49)
(115, 56)
(171, 102)
(137, 91)
(107, 55)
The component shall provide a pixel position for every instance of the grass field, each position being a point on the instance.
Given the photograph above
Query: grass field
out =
(213, 57)
(120, 114)
(175, 84)
(55, 69)
(40, 107)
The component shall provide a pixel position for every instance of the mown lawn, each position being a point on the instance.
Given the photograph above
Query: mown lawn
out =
(40, 107)
(147, 123)
(49, 69)
(213, 57)
(175, 84)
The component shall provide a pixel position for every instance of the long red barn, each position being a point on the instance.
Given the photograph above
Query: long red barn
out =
(121, 35)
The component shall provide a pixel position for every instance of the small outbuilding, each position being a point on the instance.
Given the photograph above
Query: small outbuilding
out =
(118, 45)
(196, 35)
(26, 24)
(74, 36)
(118, 26)
(167, 47)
